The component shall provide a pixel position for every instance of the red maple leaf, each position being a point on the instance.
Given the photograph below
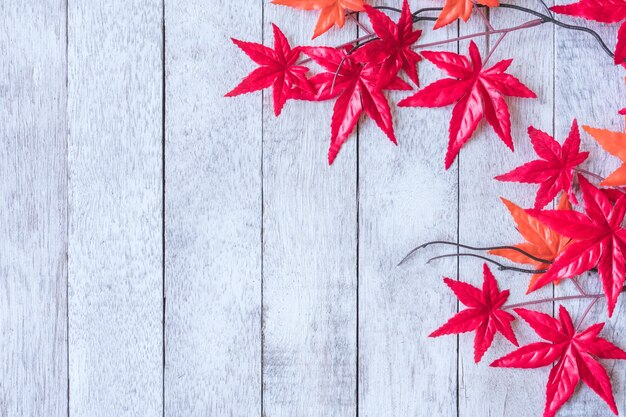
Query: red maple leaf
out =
(278, 69)
(605, 11)
(600, 240)
(555, 170)
(483, 315)
(393, 48)
(574, 352)
(354, 85)
(477, 92)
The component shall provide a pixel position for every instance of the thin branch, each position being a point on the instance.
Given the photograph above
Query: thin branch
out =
(578, 287)
(460, 245)
(501, 267)
(561, 24)
(553, 299)
(526, 25)
(359, 24)
(483, 17)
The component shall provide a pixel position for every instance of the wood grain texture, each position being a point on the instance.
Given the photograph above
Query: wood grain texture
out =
(407, 198)
(213, 213)
(591, 89)
(309, 256)
(115, 199)
(33, 248)
(485, 221)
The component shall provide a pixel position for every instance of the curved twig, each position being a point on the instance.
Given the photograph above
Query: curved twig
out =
(550, 19)
(501, 267)
(460, 245)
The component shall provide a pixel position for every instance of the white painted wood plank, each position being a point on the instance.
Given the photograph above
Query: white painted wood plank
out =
(485, 221)
(407, 198)
(33, 190)
(309, 258)
(590, 88)
(213, 213)
(115, 199)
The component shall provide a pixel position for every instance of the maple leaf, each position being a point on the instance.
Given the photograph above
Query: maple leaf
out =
(393, 48)
(605, 11)
(332, 12)
(455, 9)
(600, 241)
(354, 85)
(484, 313)
(278, 69)
(541, 241)
(615, 144)
(477, 92)
(555, 170)
(574, 352)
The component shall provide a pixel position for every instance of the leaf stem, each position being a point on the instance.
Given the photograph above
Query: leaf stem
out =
(483, 17)
(578, 287)
(591, 174)
(495, 45)
(595, 297)
(598, 177)
(529, 24)
(589, 307)
(359, 24)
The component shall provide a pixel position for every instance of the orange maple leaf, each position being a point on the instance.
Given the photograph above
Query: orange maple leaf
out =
(454, 9)
(541, 241)
(332, 12)
(615, 144)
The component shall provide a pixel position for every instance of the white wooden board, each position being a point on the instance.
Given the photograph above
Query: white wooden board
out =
(485, 221)
(309, 250)
(115, 202)
(33, 223)
(213, 213)
(406, 198)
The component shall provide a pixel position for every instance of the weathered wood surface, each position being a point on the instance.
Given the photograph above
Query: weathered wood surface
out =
(406, 198)
(33, 190)
(309, 251)
(115, 203)
(213, 213)
(207, 259)
(485, 221)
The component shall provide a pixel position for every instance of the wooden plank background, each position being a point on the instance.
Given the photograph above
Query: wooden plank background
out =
(169, 252)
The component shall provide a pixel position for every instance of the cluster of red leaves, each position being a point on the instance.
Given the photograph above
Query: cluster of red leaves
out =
(573, 351)
(572, 242)
(560, 244)
(357, 79)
